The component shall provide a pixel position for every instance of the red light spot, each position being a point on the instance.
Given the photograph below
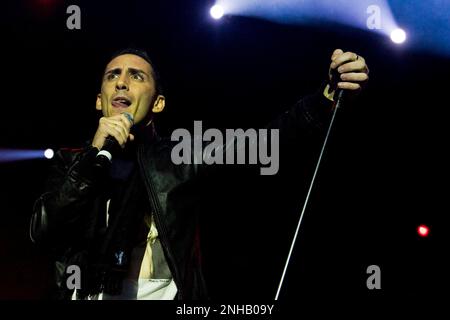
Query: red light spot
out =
(423, 230)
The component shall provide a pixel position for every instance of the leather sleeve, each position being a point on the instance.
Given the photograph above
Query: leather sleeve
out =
(302, 127)
(69, 189)
(308, 118)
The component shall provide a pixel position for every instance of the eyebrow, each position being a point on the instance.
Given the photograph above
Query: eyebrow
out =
(132, 70)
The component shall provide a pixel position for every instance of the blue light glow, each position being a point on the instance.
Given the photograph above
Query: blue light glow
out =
(427, 22)
(11, 155)
(354, 13)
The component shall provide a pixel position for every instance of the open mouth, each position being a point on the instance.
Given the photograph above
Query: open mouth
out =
(121, 102)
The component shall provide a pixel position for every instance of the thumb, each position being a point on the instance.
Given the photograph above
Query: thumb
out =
(336, 53)
(131, 137)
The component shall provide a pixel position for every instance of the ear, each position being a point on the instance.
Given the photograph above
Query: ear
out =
(98, 104)
(159, 104)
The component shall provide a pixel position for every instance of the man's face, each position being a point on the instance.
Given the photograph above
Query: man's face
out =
(128, 86)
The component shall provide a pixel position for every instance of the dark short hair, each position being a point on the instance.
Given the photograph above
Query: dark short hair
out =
(144, 55)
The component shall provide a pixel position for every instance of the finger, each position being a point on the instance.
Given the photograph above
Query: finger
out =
(352, 67)
(116, 135)
(354, 77)
(122, 118)
(336, 53)
(122, 124)
(349, 86)
(343, 58)
(117, 132)
(123, 132)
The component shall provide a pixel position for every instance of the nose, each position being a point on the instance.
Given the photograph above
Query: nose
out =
(122, 83)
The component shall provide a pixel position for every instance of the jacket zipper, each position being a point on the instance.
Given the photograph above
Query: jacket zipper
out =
(160, 226)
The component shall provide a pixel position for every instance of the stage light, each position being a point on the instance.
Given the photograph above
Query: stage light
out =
(423, 230)
(216, 11)
(49, 153)
(369, 15)
(13, 155)
(398, 36)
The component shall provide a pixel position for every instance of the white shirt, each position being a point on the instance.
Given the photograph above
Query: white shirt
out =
(148, 286)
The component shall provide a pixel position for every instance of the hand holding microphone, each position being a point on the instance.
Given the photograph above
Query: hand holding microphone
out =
(112, 134)
(348, 71)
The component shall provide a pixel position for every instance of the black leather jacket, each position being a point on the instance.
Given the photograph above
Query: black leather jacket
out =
(66, 214)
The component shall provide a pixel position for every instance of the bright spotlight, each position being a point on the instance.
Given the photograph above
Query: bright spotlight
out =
(49, 153)
(216, 11)
(398, 36)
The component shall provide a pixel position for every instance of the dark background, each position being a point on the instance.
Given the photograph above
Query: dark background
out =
(383, 174)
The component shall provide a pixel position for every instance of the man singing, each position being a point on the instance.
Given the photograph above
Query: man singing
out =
(132, 227)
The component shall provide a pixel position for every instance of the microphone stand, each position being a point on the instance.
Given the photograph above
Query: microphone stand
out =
(336, 106)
